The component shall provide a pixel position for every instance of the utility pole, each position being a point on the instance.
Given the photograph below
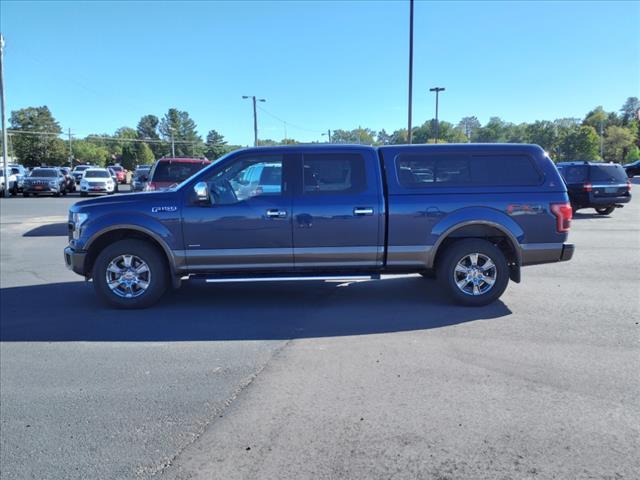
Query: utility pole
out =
(173, 146)
(329, 135)
(601, 140)
(5, 156)
(409, 128)
(70, 151)
(437, 90)
(255, 117)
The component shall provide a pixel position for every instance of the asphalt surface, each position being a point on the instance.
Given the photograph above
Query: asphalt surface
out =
(321, 380)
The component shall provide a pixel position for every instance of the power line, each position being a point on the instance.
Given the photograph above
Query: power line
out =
(289, 124)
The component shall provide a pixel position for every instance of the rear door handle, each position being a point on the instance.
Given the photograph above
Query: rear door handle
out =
(361, 211)
(275, 213)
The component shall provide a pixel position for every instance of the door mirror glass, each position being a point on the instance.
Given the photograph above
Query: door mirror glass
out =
(201, 190)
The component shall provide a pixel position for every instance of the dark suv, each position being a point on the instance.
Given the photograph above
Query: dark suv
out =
(603, 186)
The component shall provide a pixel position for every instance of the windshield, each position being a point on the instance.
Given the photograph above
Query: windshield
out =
(97, 174)
(175, 172)
(44, 172)
(608, 174)
(81, 168)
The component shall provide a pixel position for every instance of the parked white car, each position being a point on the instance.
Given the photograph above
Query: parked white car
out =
(16, 178)
(96, 180)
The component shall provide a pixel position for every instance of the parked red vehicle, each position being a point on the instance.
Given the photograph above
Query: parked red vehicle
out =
(167, 172)
(121, 173)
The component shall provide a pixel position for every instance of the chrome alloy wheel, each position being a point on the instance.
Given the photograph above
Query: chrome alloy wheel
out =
(128, 276)
(475, 274)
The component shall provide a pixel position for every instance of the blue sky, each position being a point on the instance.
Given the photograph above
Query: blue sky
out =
(320, 65)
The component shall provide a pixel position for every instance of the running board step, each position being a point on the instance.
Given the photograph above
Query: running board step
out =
(289, 278)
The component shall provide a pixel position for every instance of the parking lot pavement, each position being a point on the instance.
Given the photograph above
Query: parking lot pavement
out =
(323, 380)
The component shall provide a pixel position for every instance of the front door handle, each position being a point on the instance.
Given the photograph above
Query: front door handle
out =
(275, 213)
(361, 211)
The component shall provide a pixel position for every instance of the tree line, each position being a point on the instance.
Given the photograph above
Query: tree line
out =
(599, 136)
(35, 140)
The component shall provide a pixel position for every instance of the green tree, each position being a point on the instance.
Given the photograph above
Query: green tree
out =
(86, 151)
(468, 125)
(148, 130)
(617, 142)
(580, 143)
(383, 138)
(630, 109)
(495, 131)
(632, 155)
(36, 142)
(543, 133)
(216, 146)
(399, 137)
(182, 128)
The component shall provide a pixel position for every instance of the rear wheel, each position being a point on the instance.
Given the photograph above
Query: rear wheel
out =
(605, 210)
(474, 272)
(25, 194)
(130, 274)
(83, 194)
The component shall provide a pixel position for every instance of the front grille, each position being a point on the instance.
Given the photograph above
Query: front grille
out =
(97, 184)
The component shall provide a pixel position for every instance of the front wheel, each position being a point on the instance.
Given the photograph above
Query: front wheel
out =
(130, 274)
(605, 210)
(474, 272)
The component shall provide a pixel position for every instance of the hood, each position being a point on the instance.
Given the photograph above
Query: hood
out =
(123, 201)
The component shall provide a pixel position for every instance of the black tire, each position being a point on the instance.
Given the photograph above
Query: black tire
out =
(64, 192)
(83, 194)
(25, 194)
(56, 194)
(159, 274)
(14, 191)
(455, 253)
(605, 210)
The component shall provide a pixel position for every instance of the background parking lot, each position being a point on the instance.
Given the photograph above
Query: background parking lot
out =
(321, 380)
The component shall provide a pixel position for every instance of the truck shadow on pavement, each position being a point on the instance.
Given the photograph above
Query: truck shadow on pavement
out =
(48, 230)
(71, 312)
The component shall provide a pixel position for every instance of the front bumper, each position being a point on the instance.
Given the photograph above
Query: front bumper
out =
(97, 189)
(44, 189)
(74, 260)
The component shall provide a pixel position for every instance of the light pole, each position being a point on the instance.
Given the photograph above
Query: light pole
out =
(437, 90)
(329, 134)
(409, 132)
(255, 117)
(5, 158)
(173, 145)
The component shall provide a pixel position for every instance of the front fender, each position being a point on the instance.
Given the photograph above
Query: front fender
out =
(166, 233)
(477, 216)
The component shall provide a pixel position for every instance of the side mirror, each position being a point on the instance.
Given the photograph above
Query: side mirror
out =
(202, 191)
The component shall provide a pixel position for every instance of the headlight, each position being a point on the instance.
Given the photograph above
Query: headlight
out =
(78, 219)
(84, 182)
(53, 183)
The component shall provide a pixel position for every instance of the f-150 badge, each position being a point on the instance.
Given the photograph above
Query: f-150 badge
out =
(163, 209)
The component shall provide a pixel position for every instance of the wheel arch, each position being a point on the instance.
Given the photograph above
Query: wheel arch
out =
(106, 236)
(489, 230)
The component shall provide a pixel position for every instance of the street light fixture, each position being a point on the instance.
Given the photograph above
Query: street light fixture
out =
(255, 117)
(437, 90)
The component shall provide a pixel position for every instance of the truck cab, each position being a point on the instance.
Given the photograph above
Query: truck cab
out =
(473, 214)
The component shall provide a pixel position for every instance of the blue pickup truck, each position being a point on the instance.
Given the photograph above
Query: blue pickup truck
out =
(473, 215)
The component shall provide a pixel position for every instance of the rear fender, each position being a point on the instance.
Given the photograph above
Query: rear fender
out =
(478, 216)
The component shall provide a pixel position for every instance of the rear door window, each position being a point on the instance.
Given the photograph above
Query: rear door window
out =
(333, 174)
(574, 173)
